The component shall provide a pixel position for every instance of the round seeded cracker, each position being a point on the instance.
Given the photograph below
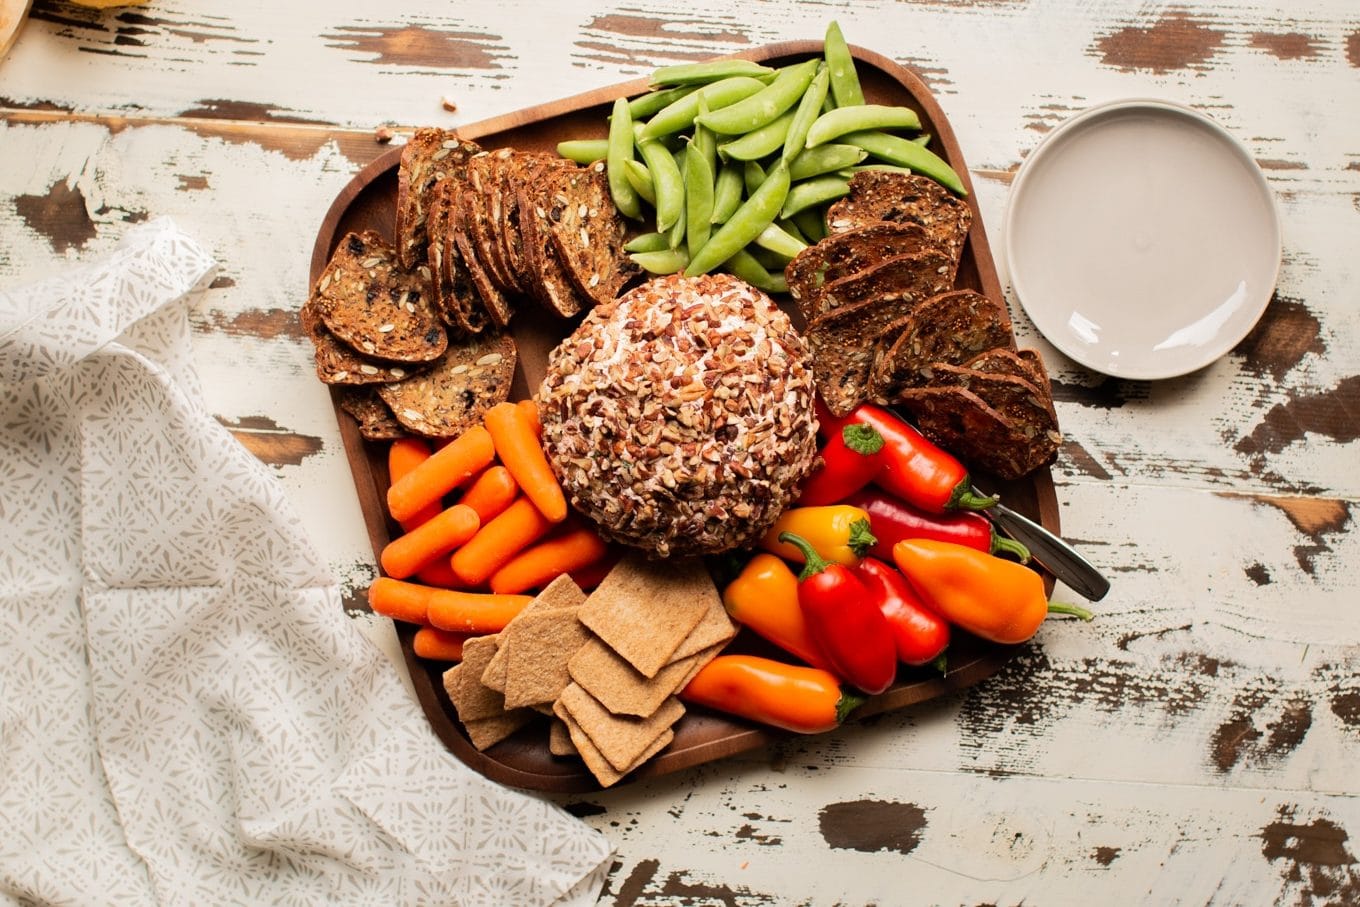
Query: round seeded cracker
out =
(474, 375)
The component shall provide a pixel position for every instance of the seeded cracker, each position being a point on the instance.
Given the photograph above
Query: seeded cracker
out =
(455, 295)
(644, 609)
(588, 233)
(370, 303)
(338, 363)
(843, 254)
(620, 740)
(431, 155)
(474, 376)
(910, 278)
(376, 422)
(845, 344)
(950, 327)
(882, 195)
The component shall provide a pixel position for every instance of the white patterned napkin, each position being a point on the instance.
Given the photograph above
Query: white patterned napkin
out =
(186, 716)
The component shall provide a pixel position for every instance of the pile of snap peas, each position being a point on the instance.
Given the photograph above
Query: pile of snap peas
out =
(734, 163)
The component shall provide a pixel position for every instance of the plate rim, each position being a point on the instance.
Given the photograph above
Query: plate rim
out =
(1083, 119)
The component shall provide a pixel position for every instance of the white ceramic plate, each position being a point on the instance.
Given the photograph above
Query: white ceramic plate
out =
(1142, 239)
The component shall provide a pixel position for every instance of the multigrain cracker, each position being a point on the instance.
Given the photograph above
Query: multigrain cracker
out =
(645, 609)
(621, 740)
(474, 375)
(376, 422)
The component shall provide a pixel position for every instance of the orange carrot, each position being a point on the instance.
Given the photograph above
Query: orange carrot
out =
(529, 409)
(491, 493)
(517, 446)
(445, 470)
(591, 575)
(540, 564)
(518, 527)
(438, 645)
(392, 598)
(406, 554)
(404, 455)
(438, 573)
(473, 612)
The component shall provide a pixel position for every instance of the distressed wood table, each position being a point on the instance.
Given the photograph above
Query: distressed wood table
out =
(1198, 743)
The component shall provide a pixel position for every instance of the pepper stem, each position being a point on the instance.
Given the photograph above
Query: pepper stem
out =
(941, 663)
(964, 498)
(813, 563)
(1002, 544)
(861, 539)
(1074, 610)
(847, 704)
(862, 439)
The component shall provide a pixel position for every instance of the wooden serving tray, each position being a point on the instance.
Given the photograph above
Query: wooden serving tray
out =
(368, 202)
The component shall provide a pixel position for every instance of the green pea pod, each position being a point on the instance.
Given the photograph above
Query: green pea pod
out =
(791, 228)
(641, 181)
(778, 240)
(645, 105)
(705, 140)
(667, 183)
(760, 142)
(679, 114)
(745, 266)
(753, 175)
(812, 222)
(825, 159)
(756, 110)
(845, 120)
(923, 139)
(817, 191)
(667, 261)
(770, 261)
(647, 242)
(704, 73)
(583, 151)
(809, 108)
(675, 236)
(727, 191)
(698, 198)
(905, 153)
(844, 80)
(620, 150)
(754, 215)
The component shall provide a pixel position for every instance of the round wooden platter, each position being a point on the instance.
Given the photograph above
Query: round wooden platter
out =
(523, 760)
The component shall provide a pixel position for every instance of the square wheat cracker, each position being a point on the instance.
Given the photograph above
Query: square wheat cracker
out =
(644, 610)
(556, 594)
(619, 686)
(599, 766)
(619, 739)
(471, 698)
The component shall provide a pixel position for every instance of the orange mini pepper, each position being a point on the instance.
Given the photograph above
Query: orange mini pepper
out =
(840, 533)
(793, 697)
(988, 596)
(764, 597)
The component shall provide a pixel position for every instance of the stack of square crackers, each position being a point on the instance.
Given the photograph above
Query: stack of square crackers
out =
(606, 669)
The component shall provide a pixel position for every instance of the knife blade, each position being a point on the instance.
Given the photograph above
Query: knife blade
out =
(1050, 552)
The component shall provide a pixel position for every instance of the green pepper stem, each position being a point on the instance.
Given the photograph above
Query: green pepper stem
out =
(813, 563)
(1005, 545)
(941, 663)
(1074, 610)
(964, 498)
(861, 538)
(848, 703)
(862, 438)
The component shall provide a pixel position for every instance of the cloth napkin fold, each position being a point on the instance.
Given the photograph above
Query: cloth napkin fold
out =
(186, 716)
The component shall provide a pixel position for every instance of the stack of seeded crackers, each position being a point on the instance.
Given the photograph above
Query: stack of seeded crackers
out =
(886, 323)
(606, 669)
(413, 332)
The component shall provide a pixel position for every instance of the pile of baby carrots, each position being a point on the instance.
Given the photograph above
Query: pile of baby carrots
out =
(484, 522)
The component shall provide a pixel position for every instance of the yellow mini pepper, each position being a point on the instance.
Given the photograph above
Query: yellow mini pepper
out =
(988, 596)
(839, 532)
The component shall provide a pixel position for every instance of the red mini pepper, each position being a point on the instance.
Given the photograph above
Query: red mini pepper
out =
(849, 462)
(913, 468)
(843, 618)
(894, 520)
(920, 635)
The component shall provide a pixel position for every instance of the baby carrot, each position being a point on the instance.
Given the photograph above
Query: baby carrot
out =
(518, 447)
(530, 410)
(592, 575)
(438, 573)
(540, 564)
(404, 455)
(392, 598)
(490, 493)
(520, 525)
(406, 554)
(438, 645)
(446, 469)
(473, 612)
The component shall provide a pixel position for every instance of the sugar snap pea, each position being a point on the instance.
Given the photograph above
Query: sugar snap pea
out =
(644, 105)
(812, 222)
(753, 175)
(698, 198)
(923, 139)
(770, 261)
(705, 140)
(778, 240)
(816, 191)
(905, 153)
(583, 151)
(845, 88)
(825, 159)
(727, 191)
(667, 183)
(760, 142)
(703, 73)
(675, 236)
(756, 110)
(845, 120)
(667, 261)
(754, 215)
(641, 180)
(647, 242)
(680, 114)
(809, 108)
(620, 149)
(744, 265)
